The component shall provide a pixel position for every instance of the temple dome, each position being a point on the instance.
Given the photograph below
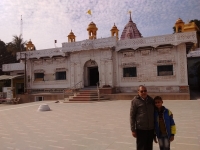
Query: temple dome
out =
(71, 34)
(179, 20)
(130, 31)
(92, 30)
(30, 46)
(71, 37)
(114, 27)
(92, 25)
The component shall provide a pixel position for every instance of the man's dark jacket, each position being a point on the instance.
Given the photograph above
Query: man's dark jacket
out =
(142, 113)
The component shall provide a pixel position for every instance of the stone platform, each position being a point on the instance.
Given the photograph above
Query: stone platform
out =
(118, 96)
(88, 126)
(165, 96)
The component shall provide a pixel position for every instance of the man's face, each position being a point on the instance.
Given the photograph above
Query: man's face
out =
(142, 91)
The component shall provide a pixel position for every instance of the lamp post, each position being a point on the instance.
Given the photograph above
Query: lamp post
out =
(24, 70)
(25, 75)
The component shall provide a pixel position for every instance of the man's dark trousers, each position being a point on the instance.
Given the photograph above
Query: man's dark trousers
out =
(145, 139)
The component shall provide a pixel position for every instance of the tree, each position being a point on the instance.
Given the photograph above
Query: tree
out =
(197, 22)
(17, 45)
(5, 56)
(174, 29)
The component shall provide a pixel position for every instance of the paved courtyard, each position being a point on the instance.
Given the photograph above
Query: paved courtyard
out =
(88, 126)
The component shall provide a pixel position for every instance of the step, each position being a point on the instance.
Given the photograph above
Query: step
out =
(87, 91)
(87, 94)
(87, 98)
(93, 99)
(84, 98)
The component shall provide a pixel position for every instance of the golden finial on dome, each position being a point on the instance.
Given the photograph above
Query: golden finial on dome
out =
(130, 15)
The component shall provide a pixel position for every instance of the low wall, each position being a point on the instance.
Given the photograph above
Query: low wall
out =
(165, 96)
(107, 90)
(26, 98)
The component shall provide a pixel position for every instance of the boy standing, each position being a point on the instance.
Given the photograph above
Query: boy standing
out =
(164, 125)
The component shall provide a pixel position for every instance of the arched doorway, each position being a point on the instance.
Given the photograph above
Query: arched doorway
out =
(91, 73)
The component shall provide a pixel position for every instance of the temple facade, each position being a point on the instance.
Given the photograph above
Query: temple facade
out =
(158, 62)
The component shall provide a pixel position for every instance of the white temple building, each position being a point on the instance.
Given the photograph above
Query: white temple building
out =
(158, 62)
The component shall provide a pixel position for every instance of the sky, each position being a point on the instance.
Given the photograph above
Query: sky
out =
(45, 21)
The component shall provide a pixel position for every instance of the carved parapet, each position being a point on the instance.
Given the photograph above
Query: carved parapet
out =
(164, 51)
(41, 53)
(185, 37)
(104, 42)
(129, 79)
(89, 44)
(37, 62)
(145, 52)
(129, 64)
(13, 67)
(164, 62)
(128, 54)
(174, 39)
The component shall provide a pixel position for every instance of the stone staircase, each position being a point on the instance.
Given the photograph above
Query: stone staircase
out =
(86, 95)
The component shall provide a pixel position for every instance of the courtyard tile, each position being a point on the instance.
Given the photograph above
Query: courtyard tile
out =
(88, 126)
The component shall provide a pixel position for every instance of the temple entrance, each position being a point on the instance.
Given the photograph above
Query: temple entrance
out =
(93, 76)
(91, 73)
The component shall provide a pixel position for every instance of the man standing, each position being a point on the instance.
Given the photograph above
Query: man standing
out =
(142, 119)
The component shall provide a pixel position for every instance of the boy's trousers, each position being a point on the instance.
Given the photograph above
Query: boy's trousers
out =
(164, 142)
(145, 139)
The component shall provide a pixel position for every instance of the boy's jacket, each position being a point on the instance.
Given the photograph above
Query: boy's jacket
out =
(168, 120)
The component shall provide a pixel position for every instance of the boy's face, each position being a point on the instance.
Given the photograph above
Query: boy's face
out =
(158, 103)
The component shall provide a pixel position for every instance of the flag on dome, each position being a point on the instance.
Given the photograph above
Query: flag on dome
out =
(89, 12)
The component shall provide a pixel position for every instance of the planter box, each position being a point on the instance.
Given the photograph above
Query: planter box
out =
(107, 90)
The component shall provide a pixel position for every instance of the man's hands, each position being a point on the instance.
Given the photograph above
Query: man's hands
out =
(134, 134)
(155, 139)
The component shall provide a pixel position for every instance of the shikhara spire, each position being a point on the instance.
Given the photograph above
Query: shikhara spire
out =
(130, 30)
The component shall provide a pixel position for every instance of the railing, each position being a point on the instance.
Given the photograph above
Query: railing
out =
(77, 86)
(73, 89)
(98, 92)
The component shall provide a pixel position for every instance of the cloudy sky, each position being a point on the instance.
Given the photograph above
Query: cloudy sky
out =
(47, 20)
